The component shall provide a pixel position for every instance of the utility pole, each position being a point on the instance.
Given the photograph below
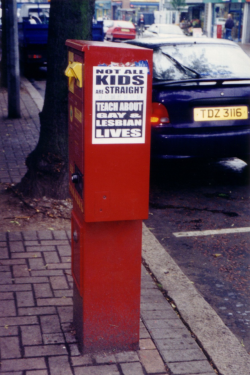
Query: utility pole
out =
(13, 71)
(4, 47)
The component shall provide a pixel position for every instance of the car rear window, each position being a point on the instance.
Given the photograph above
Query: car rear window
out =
(208, 60)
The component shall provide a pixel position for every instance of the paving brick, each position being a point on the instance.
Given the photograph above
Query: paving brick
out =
(65, 314)
(4, 268)
(51, 257)
(59, 266)
(183, 355)
(60, 235)
(18, 320)
(151, 361)
(36, 264)
(9, 347)
(158, 306)
(30, 235)
(126, 357)
(15, 236)
(14, 287)
(74, 351)
(173, 333)
(8, 308)
(17, 247)
(54, 301)
(37, 310)
(44, 350)
(132, 368)
(5, 278)
(39, 372)
(47, 273)
(39, 248)
(59, 366)
(31, 280)
(146, 344)
(63, 293)
(158, 314)
(104, 358)
(31, 335)
(25, 299)
(100, 370)
(177, 343)
(64, 250)
(58, 282)
(2, 236)
(144, 333)
(11, 262)
(50, 324)
(23, 364)
(6, 295)
(55, 242)
(70, 337)
(21, 270)
(45, 235)
(82, 360)
(43, 290)
(168, 324)
(158, 298)
(53, 338)
(66, 259)
(8, 331)
(4, 254)
(193, 367)
(26, 255)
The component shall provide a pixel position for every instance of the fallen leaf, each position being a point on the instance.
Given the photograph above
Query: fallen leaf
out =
(217, 255)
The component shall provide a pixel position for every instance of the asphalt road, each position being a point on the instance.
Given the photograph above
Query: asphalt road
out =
(188, 195)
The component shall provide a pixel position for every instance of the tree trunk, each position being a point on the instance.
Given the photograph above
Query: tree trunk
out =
(47, 164)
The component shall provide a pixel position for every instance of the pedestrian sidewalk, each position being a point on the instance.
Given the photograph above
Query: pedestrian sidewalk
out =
(36, 309)
(177, 334)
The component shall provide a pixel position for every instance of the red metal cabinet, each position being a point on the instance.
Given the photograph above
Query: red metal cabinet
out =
(109, 103)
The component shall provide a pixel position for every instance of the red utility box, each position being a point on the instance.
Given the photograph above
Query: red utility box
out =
(110, 88)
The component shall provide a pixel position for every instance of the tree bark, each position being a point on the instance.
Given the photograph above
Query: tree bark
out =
(47, 164)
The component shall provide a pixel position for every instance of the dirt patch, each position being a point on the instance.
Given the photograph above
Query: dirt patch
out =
(20, 214)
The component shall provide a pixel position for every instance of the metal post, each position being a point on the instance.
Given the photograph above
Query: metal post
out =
(13, 71)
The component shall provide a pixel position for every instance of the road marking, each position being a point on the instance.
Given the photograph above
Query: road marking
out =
(211, 232)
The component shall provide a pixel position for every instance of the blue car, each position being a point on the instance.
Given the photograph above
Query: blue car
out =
(201, 98)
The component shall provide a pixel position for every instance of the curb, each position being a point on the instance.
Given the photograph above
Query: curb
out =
(35, 95)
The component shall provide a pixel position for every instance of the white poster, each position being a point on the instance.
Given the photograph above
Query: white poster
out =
(119, 104)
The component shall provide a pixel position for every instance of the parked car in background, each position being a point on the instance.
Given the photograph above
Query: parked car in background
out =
(121, 30)
(201, 98)
(162, 30)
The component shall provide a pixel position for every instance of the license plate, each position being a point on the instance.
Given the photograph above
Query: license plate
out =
(125, 30)
(221, 113)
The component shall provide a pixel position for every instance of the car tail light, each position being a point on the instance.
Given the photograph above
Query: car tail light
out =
(159, 114)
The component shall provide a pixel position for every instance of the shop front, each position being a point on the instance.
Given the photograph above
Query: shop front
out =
(103, 10)
(221, 12)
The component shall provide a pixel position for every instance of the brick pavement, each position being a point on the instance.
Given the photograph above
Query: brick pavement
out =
(36, 333)
(36, 312)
